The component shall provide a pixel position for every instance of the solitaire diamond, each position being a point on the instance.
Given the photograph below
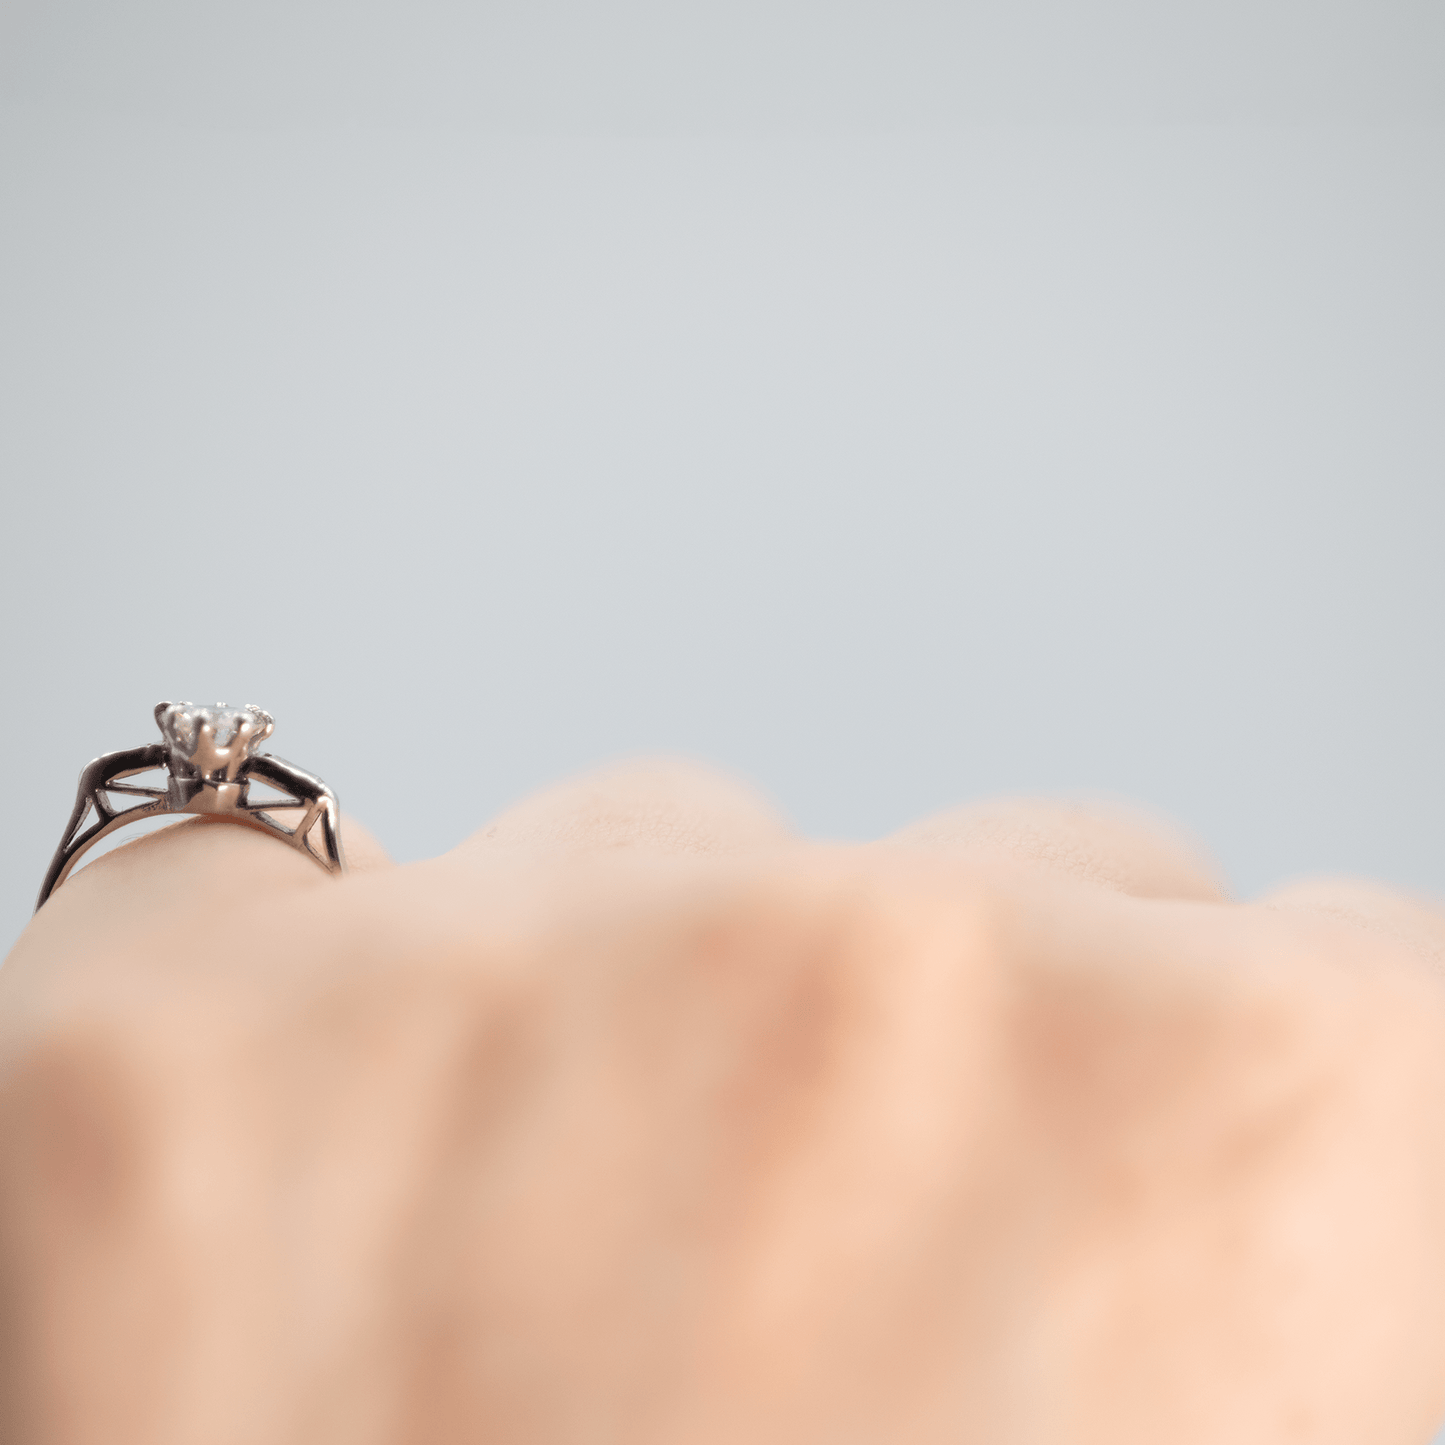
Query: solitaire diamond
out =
(181, 724)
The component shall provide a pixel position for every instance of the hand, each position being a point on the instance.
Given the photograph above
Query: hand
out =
(636, 1119)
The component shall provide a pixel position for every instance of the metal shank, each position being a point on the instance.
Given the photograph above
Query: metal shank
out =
(182, 796)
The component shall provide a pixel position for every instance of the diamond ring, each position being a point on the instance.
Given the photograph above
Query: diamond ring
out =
(206, 765)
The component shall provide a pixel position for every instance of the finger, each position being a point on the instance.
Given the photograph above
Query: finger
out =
(1355, 903)
(1108, 845)
(655, 807)
(364, 853)
(195, 872)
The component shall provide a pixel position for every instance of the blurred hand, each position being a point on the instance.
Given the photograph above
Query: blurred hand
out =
(636, 1120)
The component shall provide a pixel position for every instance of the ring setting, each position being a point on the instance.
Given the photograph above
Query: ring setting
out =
(207, 764)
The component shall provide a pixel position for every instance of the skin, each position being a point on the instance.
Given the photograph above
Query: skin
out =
(637, 1119)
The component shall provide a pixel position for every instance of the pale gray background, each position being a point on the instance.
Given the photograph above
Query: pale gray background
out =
(896, 403)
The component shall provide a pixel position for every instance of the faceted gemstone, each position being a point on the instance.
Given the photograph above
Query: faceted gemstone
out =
(181, 724)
